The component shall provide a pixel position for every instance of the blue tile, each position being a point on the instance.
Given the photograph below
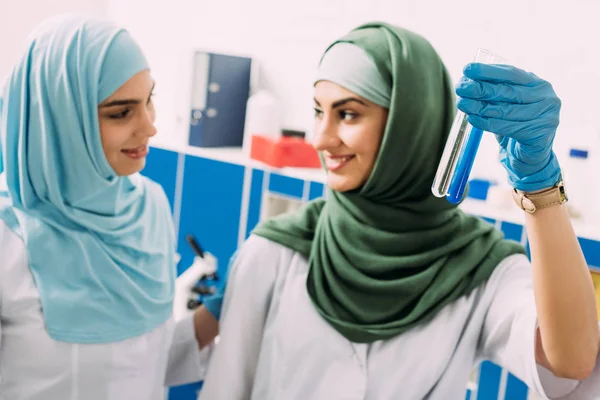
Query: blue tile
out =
(490, 220)
(591, 251)
(161, 167)
(316, 190)
(489, 381)
(255, 200)
(478, 189)
(185, 392)
(516, 389)
(210, 209)
(512, 231)
(285, 185)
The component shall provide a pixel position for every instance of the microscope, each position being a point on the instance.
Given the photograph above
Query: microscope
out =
(200, 280)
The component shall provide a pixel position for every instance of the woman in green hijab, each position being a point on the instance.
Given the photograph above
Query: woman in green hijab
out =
(384, 291)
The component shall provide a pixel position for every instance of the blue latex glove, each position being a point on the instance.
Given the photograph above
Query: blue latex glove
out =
(523, 111)
(214, 303)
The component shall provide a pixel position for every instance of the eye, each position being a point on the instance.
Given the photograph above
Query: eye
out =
(120, 115)
(150, 98)
(318, 113)
(348, 115)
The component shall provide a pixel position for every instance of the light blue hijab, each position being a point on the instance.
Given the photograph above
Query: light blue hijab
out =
(101, 247)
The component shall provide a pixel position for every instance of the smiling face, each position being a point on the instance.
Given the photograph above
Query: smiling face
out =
(127, 123)
(348, 133)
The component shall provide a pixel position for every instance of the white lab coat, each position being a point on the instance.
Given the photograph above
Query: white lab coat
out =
(273, 344)
(33, 366)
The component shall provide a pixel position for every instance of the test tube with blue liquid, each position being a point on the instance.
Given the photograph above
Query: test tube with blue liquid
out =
(461, 148)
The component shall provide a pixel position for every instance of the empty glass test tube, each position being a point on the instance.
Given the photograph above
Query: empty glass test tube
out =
(461, 147)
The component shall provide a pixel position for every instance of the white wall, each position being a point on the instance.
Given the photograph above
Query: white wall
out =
(17, 20)
(555, 40)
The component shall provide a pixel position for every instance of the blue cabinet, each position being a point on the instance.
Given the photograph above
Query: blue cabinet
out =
(515, 388)
(209, 205)
(286, 186)
(161, 167)
(489, 381)
(210, 208)
(255, 201)
(316, 190)
(591, 251)
(185, 392)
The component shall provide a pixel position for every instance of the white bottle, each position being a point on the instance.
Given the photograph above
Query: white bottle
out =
(263, 117)
(574, 172)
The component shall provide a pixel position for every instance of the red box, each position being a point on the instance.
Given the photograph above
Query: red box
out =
(284, 151)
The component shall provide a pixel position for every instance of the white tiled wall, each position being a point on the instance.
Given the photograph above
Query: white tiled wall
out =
(18, 18)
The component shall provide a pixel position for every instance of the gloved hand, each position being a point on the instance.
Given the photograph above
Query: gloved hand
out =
(523, 111)
(214, 303)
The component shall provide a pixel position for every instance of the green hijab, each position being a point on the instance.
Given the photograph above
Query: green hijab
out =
(389, 256)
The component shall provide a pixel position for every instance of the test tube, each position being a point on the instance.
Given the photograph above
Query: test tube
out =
(461, 147)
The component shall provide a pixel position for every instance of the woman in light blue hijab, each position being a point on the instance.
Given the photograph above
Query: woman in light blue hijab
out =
(87, 244)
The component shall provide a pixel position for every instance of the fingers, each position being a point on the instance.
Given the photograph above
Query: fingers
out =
(509, 111)
(499, 73)
(505, 92)
(526, 132)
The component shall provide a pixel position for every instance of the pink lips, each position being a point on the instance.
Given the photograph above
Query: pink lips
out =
(334, 163)
(137, 152)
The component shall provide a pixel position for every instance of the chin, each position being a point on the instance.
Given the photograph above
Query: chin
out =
(340, 183)
(131, 168)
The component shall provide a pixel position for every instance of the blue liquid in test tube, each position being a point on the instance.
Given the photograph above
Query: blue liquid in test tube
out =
(459, 182)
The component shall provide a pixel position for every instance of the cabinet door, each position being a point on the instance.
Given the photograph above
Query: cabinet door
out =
(316, 190)
(489, 381)
(221, 86)
(515, 388)
(161, 167)
(255, 200)
(513, 232)
(210, 209)
(591, 251)
(284, 188)
(287, 186)
(185, 392)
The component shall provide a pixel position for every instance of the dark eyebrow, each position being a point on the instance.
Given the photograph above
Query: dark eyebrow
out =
(125, 102)
(344, 101)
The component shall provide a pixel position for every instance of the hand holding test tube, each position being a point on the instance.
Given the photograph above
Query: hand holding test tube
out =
(523, 112)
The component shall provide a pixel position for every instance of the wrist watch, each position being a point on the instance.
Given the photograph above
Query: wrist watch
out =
(530, 202)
